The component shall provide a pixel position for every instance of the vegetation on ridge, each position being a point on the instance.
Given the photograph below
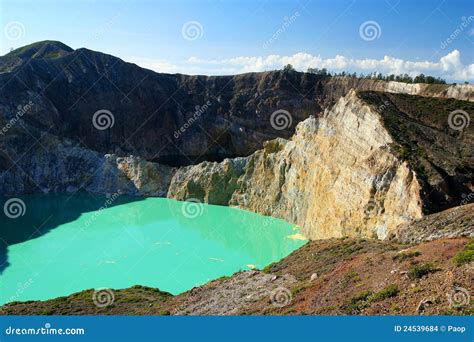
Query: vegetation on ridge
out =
(425, 138)
(405, 78)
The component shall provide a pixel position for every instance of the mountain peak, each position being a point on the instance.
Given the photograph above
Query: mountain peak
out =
(42, 49)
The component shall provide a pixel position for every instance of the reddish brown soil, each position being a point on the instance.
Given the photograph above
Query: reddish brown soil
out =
(342, 270)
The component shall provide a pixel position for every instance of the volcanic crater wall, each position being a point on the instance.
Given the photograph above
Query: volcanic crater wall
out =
(368, 162)
(337, 176)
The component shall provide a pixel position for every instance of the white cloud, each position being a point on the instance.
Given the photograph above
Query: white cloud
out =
(449, 66)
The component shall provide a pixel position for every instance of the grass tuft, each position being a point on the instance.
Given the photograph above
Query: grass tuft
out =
(406, 255)
(418, 271)
(362, 300)
(466, 255)
(388, 292)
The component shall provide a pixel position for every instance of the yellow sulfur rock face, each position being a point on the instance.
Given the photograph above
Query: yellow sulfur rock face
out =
(336, 177)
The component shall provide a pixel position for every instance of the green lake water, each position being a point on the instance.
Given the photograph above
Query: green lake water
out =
(67, 243)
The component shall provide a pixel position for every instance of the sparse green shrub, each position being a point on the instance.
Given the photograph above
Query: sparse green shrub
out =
(298, 289)
(47, 312)
(364, 299)
(350, 278)
(395, 308)
(357, 303)
(466, 255)
(459, 311)
(418, 271)
(387, 292)
(406, 255)
(267, 269)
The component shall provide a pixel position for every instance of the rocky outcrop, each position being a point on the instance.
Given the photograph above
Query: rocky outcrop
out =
(360, 167)
(208, 182)
(59, 165)
(338, 86)
(457, 221)
(435, 138)
(336, 177)
(348, 172)
(241, 291)
(130, 175)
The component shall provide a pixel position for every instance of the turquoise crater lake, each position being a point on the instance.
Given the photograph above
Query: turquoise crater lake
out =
(67, 243)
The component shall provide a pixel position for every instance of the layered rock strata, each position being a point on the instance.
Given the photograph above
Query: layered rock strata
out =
(337, 176)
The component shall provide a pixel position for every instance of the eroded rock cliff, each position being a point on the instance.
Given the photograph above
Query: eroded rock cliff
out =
(335, 177)
(336, 87)
(34, 161)
(367, 162)
(343, 174)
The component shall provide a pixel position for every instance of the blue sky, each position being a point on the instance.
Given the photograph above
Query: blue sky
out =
(239, 36)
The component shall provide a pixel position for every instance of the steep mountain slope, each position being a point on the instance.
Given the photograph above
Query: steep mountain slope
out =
(436, 146)
(229, 114)
(51, 140)
(370, 163)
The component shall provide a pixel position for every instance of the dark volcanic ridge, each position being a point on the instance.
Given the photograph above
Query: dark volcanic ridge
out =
(173, 119)
(67, 108)
(75, 120)
(176, 119)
